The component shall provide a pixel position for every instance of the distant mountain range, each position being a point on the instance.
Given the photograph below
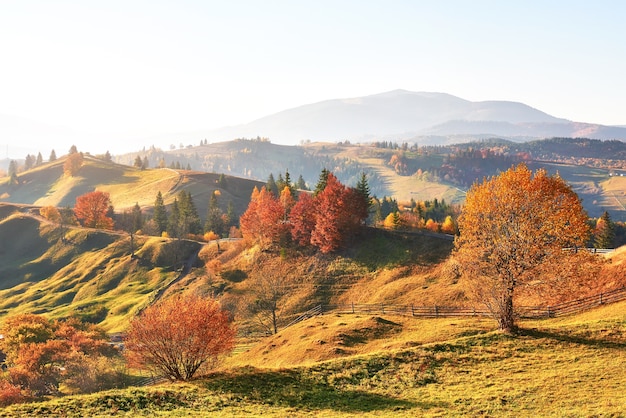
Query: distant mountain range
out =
(403, 115)
(399, 115)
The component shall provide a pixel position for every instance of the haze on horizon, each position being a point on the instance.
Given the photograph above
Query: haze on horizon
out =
(118, 72)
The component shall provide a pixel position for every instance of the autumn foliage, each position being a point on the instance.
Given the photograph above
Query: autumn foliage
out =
(513, 231)
(73, 163)
(41, 354)
(179, 337)
(325, 220)
(92, 210)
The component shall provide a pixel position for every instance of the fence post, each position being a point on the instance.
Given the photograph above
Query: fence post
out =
(352, 307)
(549, 312)
(412, 310)
(382, 307)
(436, 312)
(601, 301)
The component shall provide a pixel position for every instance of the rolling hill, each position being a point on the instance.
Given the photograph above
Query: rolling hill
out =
(48, 185)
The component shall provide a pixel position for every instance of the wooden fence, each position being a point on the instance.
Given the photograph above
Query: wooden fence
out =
(536, 312)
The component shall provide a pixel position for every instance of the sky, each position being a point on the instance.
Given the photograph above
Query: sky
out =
(119, 71)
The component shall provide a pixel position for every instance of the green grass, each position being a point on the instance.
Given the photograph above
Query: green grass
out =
(562, 367)
(41, 273)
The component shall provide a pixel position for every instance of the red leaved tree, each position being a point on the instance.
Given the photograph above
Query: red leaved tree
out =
(179, 337)
(92, 210)
(340, 212)
(263, 221)
(41, 354)
(302, 219)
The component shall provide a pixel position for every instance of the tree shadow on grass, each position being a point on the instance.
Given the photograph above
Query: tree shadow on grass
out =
(290, 388)
(573, 339)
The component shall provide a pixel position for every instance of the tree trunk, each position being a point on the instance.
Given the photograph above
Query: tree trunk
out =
(506, 317)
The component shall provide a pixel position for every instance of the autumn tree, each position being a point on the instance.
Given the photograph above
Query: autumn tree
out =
(92, 209)
(132, 221)
(179, 337)
(41, 354)
(51, 213)
(269, 289)
(73, 163)
(448, 226)
(513, 229)
(302, 219)
(340, 212)
(263, 220)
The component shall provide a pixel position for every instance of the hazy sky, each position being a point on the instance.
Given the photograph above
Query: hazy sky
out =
(135, 68)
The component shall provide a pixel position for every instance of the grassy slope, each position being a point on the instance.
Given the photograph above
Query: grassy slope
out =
(46, 185)
(90, 274)
(571, 366)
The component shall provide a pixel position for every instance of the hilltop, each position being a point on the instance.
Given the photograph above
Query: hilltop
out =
(47, 185)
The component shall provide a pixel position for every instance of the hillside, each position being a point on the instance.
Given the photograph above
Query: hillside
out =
(417, 171)
(439, 367)
(89, 274)
(127, 185)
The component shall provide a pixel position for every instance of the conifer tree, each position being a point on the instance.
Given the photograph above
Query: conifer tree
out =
(214, 221)
(300, 184)
(53, 156)
(604, 232)
(160, 214)
(321, 183)
(271, 185)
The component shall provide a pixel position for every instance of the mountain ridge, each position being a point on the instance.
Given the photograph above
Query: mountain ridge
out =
(405, 115)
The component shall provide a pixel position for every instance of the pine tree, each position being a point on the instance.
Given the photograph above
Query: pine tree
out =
(39, 160)
(300, 184)
(190, 221)
(230, 214)
(160, 214)
(12, 168)
(214, 221)
(138, 163)
(321, 183)
(604, 232)
(173, 221)
(271, 185)
(53, 156)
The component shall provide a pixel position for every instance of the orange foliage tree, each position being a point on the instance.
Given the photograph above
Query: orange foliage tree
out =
(179, 337)
(92, 210)
(513, 229)
(263, 221)
(41, 354)
(340, 212)
(73, 163)
(302, 219)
